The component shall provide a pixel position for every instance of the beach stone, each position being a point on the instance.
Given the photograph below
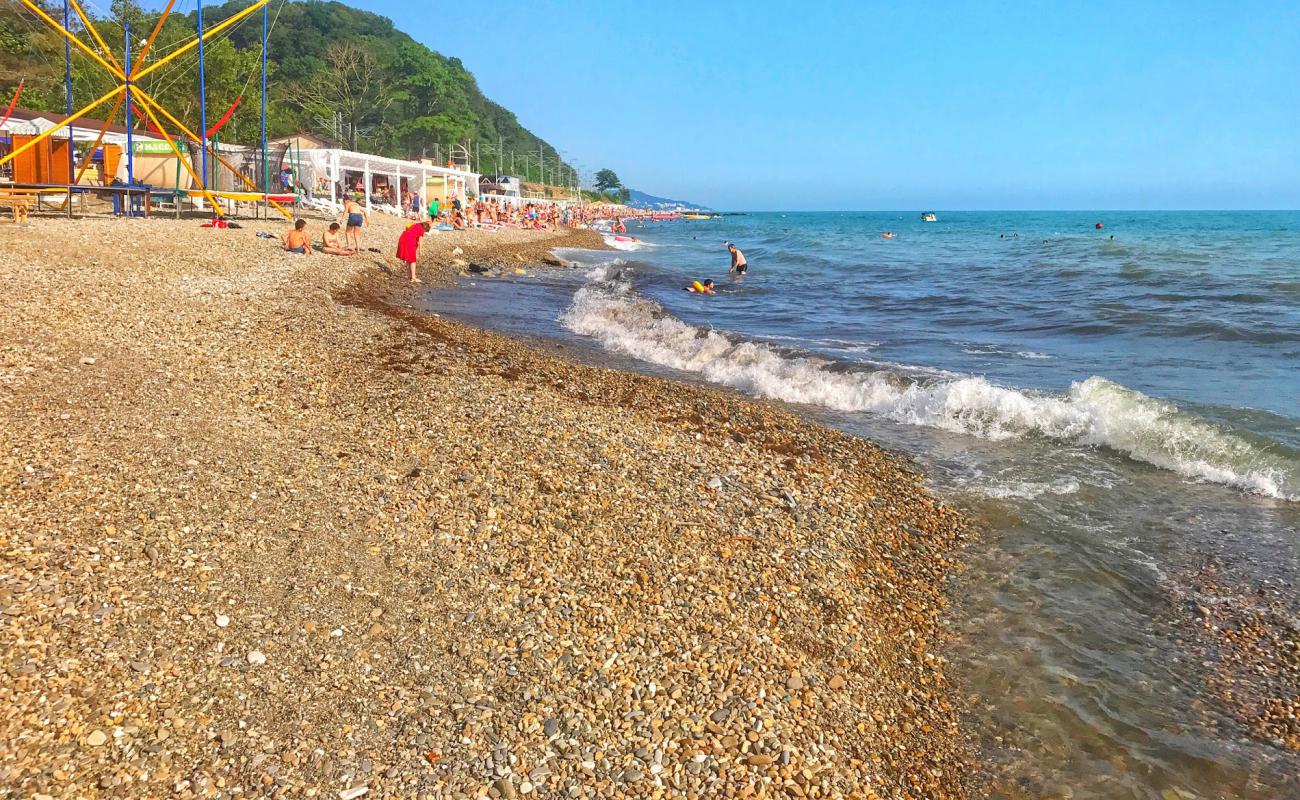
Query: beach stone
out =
(96, 738)
(222, 621)
(795, 682)
(256, 658)
(836, 682)
(505, 788)
(715, 483)
(551, 727)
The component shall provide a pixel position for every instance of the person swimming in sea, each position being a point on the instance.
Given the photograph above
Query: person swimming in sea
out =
(887, 235)
(739, 265)
(701, 288)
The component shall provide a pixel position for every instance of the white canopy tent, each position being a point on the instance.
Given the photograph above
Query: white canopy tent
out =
(330, 165)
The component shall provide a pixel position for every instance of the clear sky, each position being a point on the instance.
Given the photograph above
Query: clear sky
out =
(871, 105)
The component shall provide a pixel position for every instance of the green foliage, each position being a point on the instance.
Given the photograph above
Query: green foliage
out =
(606, 180)
(335, 71)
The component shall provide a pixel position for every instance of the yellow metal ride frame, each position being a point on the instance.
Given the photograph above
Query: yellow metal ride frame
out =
(147, 104)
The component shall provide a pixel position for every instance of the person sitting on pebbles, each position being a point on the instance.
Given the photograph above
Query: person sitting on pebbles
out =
(297, 240)
(332, 243)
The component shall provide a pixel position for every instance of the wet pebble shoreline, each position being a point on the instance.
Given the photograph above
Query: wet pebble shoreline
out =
(268, 532)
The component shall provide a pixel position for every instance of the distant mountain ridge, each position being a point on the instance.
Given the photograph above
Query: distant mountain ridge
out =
(639, 199)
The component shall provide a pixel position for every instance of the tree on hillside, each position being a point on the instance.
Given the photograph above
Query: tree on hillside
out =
(606, 180)
(385, 93)
(349, 97)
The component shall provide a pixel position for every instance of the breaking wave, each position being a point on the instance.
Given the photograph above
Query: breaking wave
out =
(1096, 411)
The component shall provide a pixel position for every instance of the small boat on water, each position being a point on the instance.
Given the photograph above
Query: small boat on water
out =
(665, 217)
(698, 216)
(929, 216)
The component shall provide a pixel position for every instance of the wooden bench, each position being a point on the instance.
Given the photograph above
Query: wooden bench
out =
(18, 204)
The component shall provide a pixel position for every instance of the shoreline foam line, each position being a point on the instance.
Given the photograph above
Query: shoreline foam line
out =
(1094, 411)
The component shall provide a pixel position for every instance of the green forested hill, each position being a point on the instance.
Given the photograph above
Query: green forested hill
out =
(334, 70)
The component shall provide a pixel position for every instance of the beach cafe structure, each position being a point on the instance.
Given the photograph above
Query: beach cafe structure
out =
(335, 172)
(47, 163)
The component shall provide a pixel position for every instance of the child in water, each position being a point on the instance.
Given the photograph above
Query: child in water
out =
(701, 288)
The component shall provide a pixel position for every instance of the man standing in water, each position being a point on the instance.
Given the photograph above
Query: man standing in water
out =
(738, 264)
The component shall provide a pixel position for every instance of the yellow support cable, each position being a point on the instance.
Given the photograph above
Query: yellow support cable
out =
(170, 143)
(194, 137)
(94, 34)
(65, 123)
(214, 30)
(72, 37)
(157, 28)
(98, 141)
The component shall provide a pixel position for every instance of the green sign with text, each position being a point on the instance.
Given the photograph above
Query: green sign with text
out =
(152, 148)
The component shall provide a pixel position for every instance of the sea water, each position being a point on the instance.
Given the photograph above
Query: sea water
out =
(1119, 407)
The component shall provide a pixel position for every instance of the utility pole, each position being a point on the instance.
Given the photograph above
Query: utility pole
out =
(67, 66)
(266, 168)
(203, 103)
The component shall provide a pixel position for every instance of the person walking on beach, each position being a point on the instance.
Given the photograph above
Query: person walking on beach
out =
(738, 264)
(408, 246)
(356, 217)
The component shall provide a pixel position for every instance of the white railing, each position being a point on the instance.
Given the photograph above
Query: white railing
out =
(508, 199)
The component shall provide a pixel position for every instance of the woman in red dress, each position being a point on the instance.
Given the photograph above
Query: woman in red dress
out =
(408, 246)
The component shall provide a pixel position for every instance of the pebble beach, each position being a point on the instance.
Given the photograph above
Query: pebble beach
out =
(268, 531)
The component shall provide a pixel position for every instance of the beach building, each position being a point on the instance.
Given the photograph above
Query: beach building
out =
(47, 162)
(330, 173)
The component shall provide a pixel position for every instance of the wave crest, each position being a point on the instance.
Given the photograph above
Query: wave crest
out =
(1095, 411)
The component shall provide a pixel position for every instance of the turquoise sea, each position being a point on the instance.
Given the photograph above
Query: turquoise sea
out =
(1118, 406)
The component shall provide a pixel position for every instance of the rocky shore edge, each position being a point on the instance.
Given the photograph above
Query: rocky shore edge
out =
(270, 532)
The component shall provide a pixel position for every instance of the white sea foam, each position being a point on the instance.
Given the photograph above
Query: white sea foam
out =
(627, 243)
(1028, 490)
(1095, 411)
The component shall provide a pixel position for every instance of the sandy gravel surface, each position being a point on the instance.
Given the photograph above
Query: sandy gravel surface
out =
(265, 532)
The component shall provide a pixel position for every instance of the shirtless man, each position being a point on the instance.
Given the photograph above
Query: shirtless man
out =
(297, 240)
(332, 244)
(738, 264)
(356, 217)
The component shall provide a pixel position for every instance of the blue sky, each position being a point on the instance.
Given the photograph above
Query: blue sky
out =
(944, 105)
